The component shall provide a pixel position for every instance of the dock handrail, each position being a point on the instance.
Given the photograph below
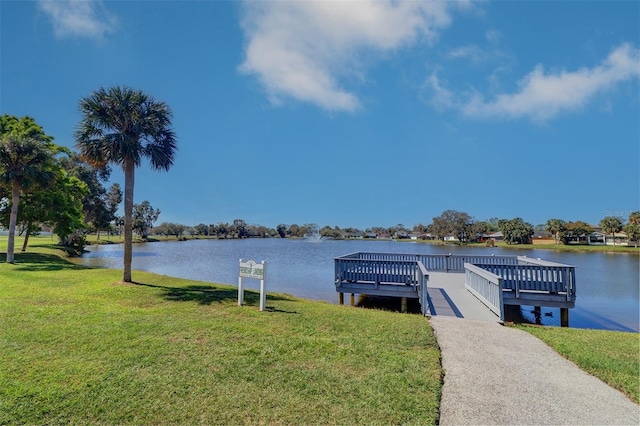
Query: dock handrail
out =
(436, 262)
(423, 281)
(486, 286)
(552, 277)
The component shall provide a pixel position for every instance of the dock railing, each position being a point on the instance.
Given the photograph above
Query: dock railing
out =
(486, 286)
(371, 273)
(437, 262)
(376, 271)
(533, 275)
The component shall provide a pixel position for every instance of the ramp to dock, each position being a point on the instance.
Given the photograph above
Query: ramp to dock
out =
(450, 298)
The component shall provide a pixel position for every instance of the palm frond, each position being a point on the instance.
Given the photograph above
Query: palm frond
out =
(120, 123)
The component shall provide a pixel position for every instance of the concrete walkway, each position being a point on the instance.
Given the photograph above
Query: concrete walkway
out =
(502, 375)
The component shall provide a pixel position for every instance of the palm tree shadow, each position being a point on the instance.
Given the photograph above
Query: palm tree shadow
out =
(40, 262)
(208, 294)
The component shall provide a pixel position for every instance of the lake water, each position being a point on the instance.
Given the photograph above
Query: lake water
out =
(607, 284)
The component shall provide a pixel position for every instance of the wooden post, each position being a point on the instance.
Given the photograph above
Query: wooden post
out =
(403, 305)
(564, 317)
(353, 299)
(340, 298)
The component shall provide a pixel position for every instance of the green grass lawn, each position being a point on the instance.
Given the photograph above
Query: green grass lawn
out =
(78, 346)
(611, 356)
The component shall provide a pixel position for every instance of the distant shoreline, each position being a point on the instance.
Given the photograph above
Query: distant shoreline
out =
(553, 247)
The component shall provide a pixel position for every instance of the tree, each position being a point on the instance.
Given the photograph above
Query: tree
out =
(452, 223)
(282, 230)
(611, 225)
(633, 232)
(112, 200)
(59, 206)
(170, 228)
(99, 204)
(516, 231)
(121, 125)
(632, 228)
(478, 229)
(201, 229)
(556, 227)
(419, 228)
(576, 231)
(293, 230)
(25, 155)
(64, 212)
(239, 228)
(144, 216)
(221, 230)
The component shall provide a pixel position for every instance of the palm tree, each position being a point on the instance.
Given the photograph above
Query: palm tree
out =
(611, 225)
(556, 227)
(121, 125)
(23, 163)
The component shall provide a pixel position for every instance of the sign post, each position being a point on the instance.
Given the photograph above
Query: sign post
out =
(252, 269)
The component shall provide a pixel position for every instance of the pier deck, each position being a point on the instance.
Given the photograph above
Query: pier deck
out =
(459, 285)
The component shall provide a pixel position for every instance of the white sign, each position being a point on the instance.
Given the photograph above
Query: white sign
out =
(252, 269)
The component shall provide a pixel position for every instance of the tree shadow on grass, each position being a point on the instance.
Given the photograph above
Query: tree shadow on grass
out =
(71, 252)
(208, 294)
(40, 262)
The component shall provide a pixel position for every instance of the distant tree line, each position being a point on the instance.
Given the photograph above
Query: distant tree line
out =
(451, 225)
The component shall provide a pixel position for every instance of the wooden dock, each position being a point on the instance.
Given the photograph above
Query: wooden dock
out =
(474, 287)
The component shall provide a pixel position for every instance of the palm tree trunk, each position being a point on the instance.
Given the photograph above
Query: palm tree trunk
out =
(129, 178)
(13, 219)
(26, 237)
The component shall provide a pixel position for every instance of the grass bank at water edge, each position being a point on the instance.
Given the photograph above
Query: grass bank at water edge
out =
(78, 346)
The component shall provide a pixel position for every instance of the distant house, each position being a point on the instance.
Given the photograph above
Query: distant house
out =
(599, 238)
(370, 235)
(542, 237)
(401, 235)
(495, 236)
(541, 234)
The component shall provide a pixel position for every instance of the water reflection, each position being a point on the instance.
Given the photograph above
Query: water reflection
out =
(607, 285)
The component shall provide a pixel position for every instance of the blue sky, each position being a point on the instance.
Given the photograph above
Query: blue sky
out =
(356, 113)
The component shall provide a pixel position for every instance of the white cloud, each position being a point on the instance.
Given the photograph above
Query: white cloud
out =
(477, 54)
(493, 36)
(541, 95)
(304, 49)
(472, 52)
(79, 18)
